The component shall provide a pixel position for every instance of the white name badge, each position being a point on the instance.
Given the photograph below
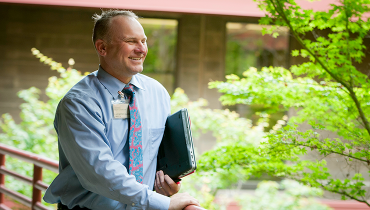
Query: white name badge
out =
(120, 109)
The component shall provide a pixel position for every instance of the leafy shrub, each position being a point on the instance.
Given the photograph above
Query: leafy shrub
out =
(35, 133)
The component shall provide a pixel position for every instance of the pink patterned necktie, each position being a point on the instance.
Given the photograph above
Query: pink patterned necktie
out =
(135, 136)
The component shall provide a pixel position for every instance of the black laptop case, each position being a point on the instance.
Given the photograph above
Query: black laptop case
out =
(176, 156)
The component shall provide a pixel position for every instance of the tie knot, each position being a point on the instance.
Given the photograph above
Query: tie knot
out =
(129, 91)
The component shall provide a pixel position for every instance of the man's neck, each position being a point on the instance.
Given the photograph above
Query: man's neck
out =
(123, 78)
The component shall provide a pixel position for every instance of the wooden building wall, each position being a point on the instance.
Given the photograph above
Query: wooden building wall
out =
(59, 32)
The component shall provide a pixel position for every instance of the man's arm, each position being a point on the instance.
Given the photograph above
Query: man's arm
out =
(81, 133)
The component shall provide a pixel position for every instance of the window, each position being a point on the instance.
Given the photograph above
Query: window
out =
(246, 47)
(160, 62)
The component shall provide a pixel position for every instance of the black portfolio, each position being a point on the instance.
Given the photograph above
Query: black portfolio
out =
(176, 156)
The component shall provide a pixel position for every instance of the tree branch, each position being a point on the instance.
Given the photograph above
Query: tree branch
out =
(333, 190)
(352, 94)
(327, 150)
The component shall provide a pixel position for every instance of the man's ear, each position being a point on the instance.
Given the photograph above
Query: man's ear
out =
(100, 46)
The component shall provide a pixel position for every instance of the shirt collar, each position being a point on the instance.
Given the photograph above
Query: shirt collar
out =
(112, 84)
(136, 82)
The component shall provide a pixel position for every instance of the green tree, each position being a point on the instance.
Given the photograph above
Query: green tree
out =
(328, 91)
(227, 127)
(230, 129)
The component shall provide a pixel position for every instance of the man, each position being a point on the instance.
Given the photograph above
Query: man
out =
(108, 160)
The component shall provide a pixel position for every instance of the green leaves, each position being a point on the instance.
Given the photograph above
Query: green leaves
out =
(295, 53)
(225, 125)
(35, 133)
(327, 91)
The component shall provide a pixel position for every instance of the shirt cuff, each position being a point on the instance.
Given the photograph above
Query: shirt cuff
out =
(158, 201)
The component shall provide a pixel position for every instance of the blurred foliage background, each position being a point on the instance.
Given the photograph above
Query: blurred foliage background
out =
(260, 142)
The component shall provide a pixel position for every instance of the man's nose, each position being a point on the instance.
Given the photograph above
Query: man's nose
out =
(141, 48)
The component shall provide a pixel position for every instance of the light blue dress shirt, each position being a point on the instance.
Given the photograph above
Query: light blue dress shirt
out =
(94, 150)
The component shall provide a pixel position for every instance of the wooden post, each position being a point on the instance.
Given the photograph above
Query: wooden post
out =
(36, 193)
(2, 178)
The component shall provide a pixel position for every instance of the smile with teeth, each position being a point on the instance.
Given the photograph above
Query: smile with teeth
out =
(135, 59)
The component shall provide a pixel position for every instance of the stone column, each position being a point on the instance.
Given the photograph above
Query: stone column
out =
(201, 56)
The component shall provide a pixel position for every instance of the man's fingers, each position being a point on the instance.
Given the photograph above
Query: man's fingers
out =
(168, 180)
(161, 176)
(181, 200)
(164, 184)
(158, 185)
(174, 187)
(156, 180)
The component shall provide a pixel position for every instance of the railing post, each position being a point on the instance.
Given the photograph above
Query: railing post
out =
(2, 178)
(36, 193)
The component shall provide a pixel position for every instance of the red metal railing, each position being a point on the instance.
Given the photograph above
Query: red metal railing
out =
(41, 162)
(37, 185)
(38, 164)
(193, 207)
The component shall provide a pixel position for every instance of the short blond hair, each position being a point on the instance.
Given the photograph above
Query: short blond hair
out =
(102, 22)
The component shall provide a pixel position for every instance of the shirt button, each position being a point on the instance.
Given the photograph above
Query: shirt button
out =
(133, 204)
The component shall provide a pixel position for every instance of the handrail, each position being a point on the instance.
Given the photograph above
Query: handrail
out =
(193, 207)
(39, 162)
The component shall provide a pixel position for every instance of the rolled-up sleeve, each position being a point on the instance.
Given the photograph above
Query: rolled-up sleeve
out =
(81, 131)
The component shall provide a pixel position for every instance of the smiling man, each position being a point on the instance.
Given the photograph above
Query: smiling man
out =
(110, 126)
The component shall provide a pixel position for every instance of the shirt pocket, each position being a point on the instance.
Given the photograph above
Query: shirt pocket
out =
(156, 135)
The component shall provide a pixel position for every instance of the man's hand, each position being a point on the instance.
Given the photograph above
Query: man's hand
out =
(165, 185)
(182, 200)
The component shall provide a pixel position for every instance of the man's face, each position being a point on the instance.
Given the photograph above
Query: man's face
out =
(126, 48)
